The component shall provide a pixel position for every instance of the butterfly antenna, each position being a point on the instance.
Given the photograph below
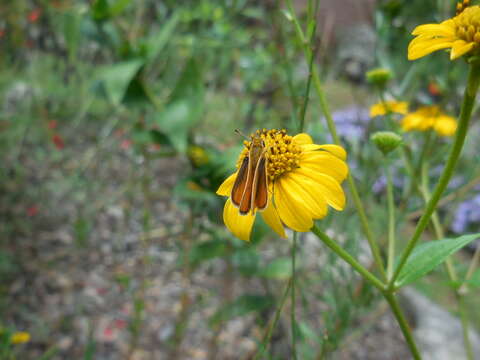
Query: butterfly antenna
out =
(239, 132)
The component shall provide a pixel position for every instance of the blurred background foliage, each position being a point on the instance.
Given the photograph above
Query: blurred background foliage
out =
(117, 122)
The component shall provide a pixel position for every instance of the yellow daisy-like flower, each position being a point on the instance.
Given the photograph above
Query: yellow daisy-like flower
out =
(302, 180)
(430, 117)
(20, 337)
(387, 107)
(461, 34)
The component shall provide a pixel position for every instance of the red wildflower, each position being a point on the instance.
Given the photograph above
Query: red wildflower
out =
(58, 141)
(125, 144)
(120, 323)
(34, 15)
(32, 210)
(52, 124)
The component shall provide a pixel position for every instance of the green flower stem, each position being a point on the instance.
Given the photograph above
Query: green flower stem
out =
(465, 115)
(465, 326)
(407, 332)
(351, 183)
(389, 296)
(425, 150)
(473, 264)
(333, 245)
(391, 222)
(437, 226)
(333, 131)
(292, 313)
(266, 341)
(452, 273)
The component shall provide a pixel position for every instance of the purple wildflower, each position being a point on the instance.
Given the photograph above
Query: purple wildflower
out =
(468, 212)
(351, 122)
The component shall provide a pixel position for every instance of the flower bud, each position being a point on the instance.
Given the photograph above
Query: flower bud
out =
(386, 141)
(197, 155)
(379, 77)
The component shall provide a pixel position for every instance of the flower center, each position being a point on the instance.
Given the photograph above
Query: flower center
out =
(462, 5)
(281, 151)
(468, 24)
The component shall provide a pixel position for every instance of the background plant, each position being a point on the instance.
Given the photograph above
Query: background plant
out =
(116, 128)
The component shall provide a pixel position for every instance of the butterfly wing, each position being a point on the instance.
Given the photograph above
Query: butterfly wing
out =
(260, 186)
(238, 188)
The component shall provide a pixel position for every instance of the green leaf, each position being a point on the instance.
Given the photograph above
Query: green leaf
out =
(116, 78)
(175, 121)
(475, 279)
(208, 250)
(71, 31)
(100, 10)
(157, 41)
(190, 83)
(243, 305)
(184, 109)
(425, 257)
(246, 261)
(279, 269)
(118, 7)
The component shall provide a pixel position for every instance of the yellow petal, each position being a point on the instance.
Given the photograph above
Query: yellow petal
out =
(336, 150)
(326, 163)
(445, 125)
(446, 28)
(380, 109)
(239, 225)
(460, 48)
(226, 188)
(423, 49)
(302, 139)
(292, 213)
(305, 194)
(428, 40)
(270, 215)
(324, 185)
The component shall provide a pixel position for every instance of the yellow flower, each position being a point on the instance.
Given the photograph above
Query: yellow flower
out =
(430, 117)
(461, 34)
(302, 178)
(383, 108)
(20, 337)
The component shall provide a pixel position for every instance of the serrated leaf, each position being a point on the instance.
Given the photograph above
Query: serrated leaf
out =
(425, 257)
(243, 305)
(116, 78)
(279, 269)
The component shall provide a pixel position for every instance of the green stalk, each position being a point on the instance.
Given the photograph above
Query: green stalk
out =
(465, 326)
(465, 115)
(473, 264)
(452, 274)
(391, 222)
(292, 313)
(333, 131)
(407, 332)
(437, 226)
(264, 345)
(333, 245)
